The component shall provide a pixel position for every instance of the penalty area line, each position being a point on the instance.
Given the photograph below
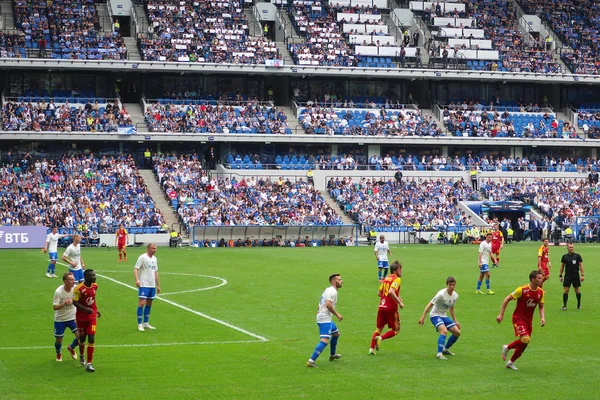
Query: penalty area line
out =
(141, 345)
(198, 313)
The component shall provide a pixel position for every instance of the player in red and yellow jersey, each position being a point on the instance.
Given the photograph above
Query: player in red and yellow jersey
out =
(544, 265)
(87, 311)
(528, 297)
(497, 244)
(389, 293)
(121, 237)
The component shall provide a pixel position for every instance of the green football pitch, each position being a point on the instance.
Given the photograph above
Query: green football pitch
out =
(240, 324)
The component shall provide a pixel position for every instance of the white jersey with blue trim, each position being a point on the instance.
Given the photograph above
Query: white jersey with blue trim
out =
(485, 249)
(73, 253)
(323, 314)
(67, 313)
(147, 267)
(442, 302)
(382, 250)
(52, 240)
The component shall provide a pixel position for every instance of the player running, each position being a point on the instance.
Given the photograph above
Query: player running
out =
(544, 265)
(387, 314)
(381, 250)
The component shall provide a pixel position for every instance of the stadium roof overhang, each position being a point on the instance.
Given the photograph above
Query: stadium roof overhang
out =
(293, 70)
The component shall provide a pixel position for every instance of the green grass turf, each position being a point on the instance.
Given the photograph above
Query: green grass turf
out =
(274, 293)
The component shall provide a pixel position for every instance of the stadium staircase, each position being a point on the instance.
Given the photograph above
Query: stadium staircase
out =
(137, 116)
(292, 120)
(105, 21)
(287, 58)
(8, 20)
(161, 202)
(254, 27)
(133, 52)
(290, 31)
(335, 206)
(142, 22)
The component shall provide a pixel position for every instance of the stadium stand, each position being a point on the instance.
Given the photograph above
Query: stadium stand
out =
(78, 193)
(203, 31)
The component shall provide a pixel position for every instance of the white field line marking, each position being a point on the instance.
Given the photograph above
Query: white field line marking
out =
(218, 321)
(141, 345)
(223, 281)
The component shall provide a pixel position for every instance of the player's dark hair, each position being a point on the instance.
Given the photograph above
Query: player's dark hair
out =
(331, 277)
(66, 275)
(395, 266)
(450, 279)
(533, 274)
(87, 273)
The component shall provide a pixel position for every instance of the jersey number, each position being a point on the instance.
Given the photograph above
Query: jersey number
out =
(386, 289)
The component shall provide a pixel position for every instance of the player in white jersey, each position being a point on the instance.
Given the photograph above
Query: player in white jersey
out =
(64, 315)
(146, 279)
(381, 250)
(72, 256)
(485, 253)
(328, 332)
(51, 247)
(442, 302)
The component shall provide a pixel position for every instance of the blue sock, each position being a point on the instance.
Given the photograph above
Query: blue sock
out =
(139, 314)
(385, 271)
(379, 273)
(441, 341)
(320, 347)
(49, 268)
(333, 343)
(146, 313)
(57, 346)
(75, 344)
(478, 285)
(487, 283)
(53, 268)
(451, 341)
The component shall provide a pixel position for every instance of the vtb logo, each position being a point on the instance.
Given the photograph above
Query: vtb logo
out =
(14, 237)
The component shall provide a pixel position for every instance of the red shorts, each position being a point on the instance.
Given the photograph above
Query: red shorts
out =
(546, 272)
(496, 249)
(121, 245)
(87, 327)
(522, 328)
(389, 318)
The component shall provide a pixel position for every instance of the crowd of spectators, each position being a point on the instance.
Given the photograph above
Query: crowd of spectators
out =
(419, 203)
(576, 24)
(80, 193)
(65, 117)
(66, 29)
(477, 121)
(325, 42)
(588, 119)
(203, 31)
(371, 122)
(200, 200)
(253, 117)
(556, 198)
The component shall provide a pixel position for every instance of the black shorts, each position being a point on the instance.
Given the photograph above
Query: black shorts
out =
(568, 281)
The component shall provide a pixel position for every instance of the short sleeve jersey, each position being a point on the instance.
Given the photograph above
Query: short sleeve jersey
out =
(442, 302)
(67, 313)
(382, 250)
(121, 235)
(387, 302)
(52, 240)
(86, 296)
(485, 250)
(571, 262)
(147, 267)
(544, 253)
(496, 238)
(527, 301)
(323, 313)
(73, 253)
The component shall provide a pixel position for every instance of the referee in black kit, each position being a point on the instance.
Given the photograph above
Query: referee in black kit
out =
(571, 265)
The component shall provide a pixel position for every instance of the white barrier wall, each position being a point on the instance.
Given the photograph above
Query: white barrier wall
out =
(445, 21)
(482, 43)
(384, 51)
(358, 17)
(474, 54)
(161, 239)
(461, 33)
(360, 3)
(362, 28)
(446, 6)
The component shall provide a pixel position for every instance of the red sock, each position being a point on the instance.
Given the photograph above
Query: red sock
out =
(81, 348)
(388, 335)
(514, 344)
(125, 254)
(518, 352)
(120, 256)
(90, 353)
(373, 339)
